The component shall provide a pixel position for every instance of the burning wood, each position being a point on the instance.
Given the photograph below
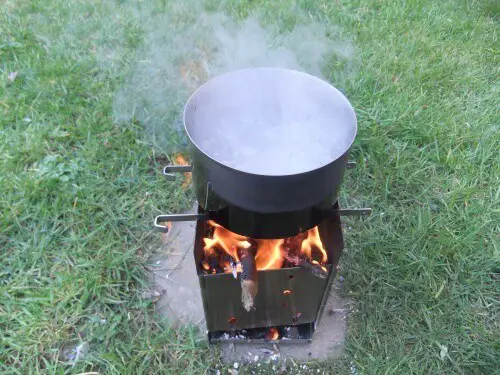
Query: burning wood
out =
(229, 252)
(314, 267)
(234, 268)
(249, 276)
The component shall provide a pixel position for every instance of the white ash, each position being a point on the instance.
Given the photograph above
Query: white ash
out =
(80, 352)
(274, 357)
(266, 351)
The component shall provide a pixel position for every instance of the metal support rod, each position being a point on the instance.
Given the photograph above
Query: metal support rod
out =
(169, 170)
(351, 211)
(180, 217)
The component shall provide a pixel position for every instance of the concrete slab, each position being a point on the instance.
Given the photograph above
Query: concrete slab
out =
(175, 282)
(178, 296)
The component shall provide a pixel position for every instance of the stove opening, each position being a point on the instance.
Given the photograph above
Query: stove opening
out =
(223, 251)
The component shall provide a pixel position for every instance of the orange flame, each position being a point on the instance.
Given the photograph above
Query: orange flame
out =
(269, 254)
(188, 176)
(313, 240)
(272, 334)
(221, 250)
(167, 224)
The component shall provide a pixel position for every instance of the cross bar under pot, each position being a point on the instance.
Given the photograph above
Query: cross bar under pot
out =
(206, 216)
(257, 224)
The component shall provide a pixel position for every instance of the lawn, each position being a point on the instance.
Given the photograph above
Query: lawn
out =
(80, 182)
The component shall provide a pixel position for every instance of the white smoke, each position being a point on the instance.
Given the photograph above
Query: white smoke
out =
(187, 45)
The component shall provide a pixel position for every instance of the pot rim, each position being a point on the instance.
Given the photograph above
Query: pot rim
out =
(210, 81)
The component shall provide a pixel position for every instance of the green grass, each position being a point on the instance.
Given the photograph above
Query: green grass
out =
(78, 192)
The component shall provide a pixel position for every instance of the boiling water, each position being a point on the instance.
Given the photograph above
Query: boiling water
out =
(275, 148)
(270, 121)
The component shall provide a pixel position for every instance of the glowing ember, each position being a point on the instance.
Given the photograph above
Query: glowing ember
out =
(316, 263)
(272, 334)
(222, 251)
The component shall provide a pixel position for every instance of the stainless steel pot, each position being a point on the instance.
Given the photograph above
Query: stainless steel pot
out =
(269, 148)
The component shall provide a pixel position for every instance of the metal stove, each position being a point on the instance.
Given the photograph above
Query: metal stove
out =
(290, 301)
(269, 148)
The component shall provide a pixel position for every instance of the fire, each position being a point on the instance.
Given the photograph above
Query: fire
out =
(167, 224)
(313, 241)
(188, 176)
(272, 334)
(228, 242)
(269, 254)
(179, 159)
(222, 251)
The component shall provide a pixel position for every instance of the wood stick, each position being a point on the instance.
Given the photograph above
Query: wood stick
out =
(249, 279)
(315, 269)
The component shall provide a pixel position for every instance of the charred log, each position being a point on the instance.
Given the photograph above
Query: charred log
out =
(315, 268)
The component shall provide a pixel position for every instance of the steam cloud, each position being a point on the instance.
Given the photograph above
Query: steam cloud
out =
(189, 45)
